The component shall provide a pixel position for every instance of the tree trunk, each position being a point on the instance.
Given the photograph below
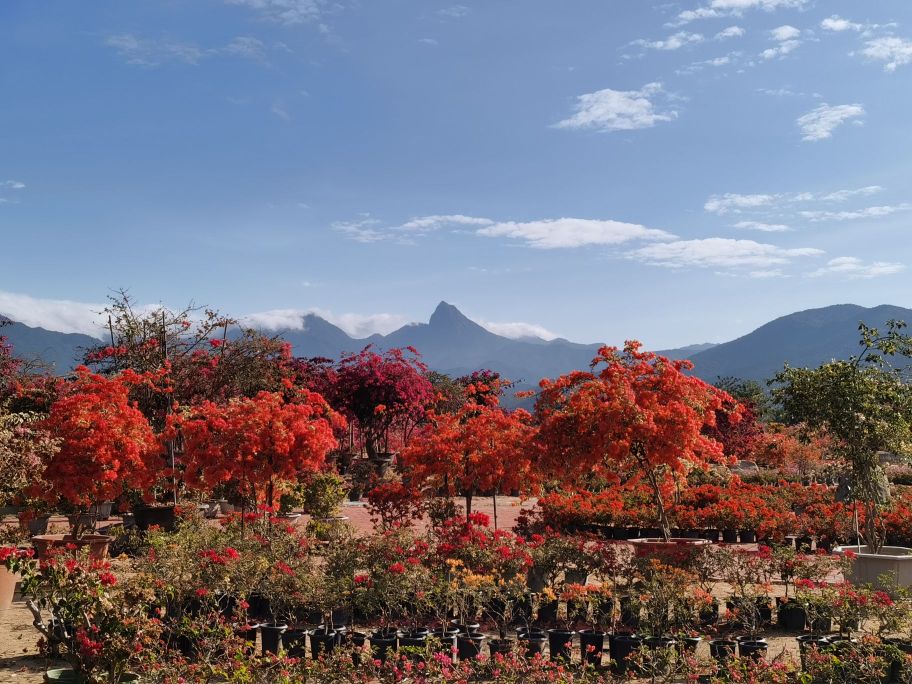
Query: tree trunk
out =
(660, 505)
(468, 498)
(495, 508)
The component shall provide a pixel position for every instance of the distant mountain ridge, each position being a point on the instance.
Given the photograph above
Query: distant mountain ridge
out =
(452, 343)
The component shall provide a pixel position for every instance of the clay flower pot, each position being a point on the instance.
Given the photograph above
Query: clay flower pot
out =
(97, 544)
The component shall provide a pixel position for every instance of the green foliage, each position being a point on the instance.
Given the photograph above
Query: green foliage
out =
(322, 495)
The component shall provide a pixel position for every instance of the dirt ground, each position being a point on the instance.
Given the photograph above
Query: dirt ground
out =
(21, 664)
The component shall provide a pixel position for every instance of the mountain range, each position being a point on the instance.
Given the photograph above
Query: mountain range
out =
(452, 343)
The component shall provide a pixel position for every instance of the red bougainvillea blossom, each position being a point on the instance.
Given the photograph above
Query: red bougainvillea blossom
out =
(255, 441)
(637, 417)
(105, 443)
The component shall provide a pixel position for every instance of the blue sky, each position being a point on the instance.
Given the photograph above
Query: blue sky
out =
(594, 169)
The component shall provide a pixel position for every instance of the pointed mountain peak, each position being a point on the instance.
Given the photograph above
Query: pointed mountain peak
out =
(447, 314)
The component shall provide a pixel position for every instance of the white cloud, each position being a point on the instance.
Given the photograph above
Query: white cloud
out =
(820, 123)
(674, 42)
(894, 52)
(866, 213)
(719, 253)
(843, 195)
(518, 330)
(12, 185)
(247, 47)
(619, 110)
(762, 227)
(693, 68)
(784, 33)
(733, 203)
(150, 53)
(288, 12)
(61, 315)
(454, 12)
(727, 8)
(425, 224)
(730, 32)
(356, 325)
(573, 232)
(838, 24)
(278, 108)
(767, 273)
(365, 230)
(856, 268)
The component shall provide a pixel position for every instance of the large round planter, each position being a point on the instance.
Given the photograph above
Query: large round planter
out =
(753, 649)
(447, 638)
(469, 645)
(67, 676)
(96, 543)
(868, 567)
(657, 546)
(621, 647)
(592, 643)
(383, 643)
(502, 647)
(322, 641)
(533, 642)
(792, 616)
(722, 650)
(271, 637)
(162, 516)
(806, 642)
(560, 643)
(7, 587)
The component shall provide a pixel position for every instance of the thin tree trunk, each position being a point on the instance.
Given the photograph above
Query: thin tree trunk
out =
(468, 498)
(495, 508)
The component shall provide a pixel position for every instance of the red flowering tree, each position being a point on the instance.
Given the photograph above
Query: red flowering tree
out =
(635, 418)
(481, 448)
(254, 442)
(105, 443)
(380, 394)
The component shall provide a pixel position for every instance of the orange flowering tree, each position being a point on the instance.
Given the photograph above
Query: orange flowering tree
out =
(255, 441)
(106, 444)
(636, 418)
(481, 448)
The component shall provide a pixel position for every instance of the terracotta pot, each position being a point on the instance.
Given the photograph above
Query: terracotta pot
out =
(96, 543)
(7, 587)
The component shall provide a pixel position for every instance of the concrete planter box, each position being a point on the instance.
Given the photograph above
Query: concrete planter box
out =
(868, 567)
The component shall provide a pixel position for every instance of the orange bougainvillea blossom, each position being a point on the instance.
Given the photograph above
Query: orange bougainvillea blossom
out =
(636, 418)
(255, 441)
(106, 444)
(480, 449)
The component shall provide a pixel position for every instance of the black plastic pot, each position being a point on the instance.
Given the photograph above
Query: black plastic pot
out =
(248, 634)
(560, 643)
(163, 516)
(792, 616)
(753, 649)
(383, 643)
(294, 642)
(710, 535)
(688, 644)
(620, 648)
(447, 638)
(806, 642)
(722, 650)
(730, 536)
(322, 641)
(899, 670)
(533, 641)
(468, 645)
(748, 536)
(501, 646)
(592, 643)
(271, 637)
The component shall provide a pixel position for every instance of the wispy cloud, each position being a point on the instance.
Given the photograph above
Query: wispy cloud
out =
(855, 268)
(288, 12)
(819, 123)
(364, 230)
(62, 315)
(762, 227)
(734, 203)
(728, 8)
(892, 51)
(866, 213)
(356, 325)
(730, 32)
(620, 110)
(518, 330)
(715, 62)
(673, 42)
(153, 52)
(9, 188)
(454, 12)
(426, 224)
(573, 232)
(718, 252)
(278, 109)
(12, 185)
(788, 41)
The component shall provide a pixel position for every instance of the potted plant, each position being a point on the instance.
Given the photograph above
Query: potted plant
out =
(322, 495)
(636, 413)
(105, 445)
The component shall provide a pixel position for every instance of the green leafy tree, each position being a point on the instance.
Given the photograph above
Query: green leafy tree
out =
(865, 405)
